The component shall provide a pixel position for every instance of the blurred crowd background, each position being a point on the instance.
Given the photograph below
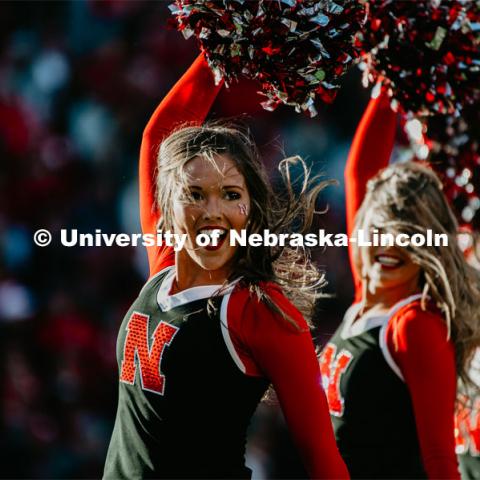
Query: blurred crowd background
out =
(78, 81)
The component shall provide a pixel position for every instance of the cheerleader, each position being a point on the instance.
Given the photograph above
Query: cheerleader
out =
(390, 370)
(212, 329)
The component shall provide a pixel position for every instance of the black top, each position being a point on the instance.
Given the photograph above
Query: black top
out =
(183, 406)
(370, 405)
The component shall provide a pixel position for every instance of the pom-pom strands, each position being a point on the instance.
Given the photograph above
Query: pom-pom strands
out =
(426, 51)
(296, 49)
(453, 149)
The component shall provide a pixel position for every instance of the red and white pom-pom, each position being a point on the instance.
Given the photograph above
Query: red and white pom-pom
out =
(452, 146)
(426, 51)
(296, 49)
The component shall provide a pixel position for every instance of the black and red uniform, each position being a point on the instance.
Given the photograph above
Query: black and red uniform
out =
(390, 379)
(363, 383)
(194, 365)
(175, 421)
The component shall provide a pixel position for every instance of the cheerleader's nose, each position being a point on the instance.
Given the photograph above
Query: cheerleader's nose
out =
(213, 209)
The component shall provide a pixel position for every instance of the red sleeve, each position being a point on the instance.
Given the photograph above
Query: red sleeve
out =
(370, 151)
(418, 343)
(188, 101)
(286, 356)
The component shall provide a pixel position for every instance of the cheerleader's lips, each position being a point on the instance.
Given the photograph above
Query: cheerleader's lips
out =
(211, 231)
(388, 262)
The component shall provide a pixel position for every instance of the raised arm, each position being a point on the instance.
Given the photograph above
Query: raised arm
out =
(189, 101)
(370, 152)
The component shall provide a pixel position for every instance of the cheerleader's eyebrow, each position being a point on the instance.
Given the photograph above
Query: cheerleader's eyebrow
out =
(197, 187)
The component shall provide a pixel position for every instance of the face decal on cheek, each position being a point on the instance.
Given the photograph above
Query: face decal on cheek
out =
(216, 201)
(243, 209)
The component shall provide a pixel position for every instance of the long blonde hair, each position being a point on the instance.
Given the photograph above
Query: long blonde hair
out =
(407, 198)
(290, 267)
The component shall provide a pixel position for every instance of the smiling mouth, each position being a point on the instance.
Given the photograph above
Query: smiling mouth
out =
(388, 261)
(215, 233)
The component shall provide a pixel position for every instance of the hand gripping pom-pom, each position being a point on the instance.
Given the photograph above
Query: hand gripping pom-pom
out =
(426, 51)
(296, 49)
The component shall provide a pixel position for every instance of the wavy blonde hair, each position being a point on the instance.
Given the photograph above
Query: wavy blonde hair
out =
(407, 198)
(292, 210)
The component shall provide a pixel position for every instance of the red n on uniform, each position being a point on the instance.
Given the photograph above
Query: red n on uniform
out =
(332, 366)
(148, 358)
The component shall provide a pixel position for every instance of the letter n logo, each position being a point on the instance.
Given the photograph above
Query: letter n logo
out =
(148, 358)
(332, 367)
